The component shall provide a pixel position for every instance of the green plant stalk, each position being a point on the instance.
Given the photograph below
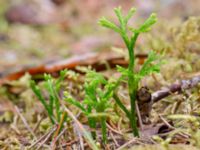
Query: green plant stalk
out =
(103, 129)
(133, 120)
(92, 123)
(57, 104)
(133, 78)
(132, 83)
(55, 98)
(101, 109)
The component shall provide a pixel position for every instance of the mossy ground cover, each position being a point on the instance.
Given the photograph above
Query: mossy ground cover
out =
(71, 119)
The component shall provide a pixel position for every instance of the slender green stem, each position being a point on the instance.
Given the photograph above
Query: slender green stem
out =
(51, 116)
(57, 105)
(92, 123)
(103, 128)
(132, 84)
(133, 119)
(54, 98)
(132, 52)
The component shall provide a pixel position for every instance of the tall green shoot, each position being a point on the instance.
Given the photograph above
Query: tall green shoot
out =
(130, 42)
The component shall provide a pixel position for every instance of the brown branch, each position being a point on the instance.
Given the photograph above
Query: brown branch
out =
(176, 87)
(145, 99)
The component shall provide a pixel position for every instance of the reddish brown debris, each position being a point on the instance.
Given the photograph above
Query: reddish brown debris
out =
(91, 59)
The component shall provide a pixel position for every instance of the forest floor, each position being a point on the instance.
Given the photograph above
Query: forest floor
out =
(46, 37)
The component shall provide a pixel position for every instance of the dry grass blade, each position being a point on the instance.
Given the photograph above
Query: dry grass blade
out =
(38, 124)
(25, 122)
(81, 141)
(126, 144)
(114, 140)
(113, 130)
(57, 137)
(87, 136)
(40, 139)
(47, 137)
(139, 116)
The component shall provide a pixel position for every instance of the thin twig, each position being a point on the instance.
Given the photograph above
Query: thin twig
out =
(58, 130)
(14, 125)
(113, 130)
(114, 140)
(38, 124)
(165, 122)
(40, 139)
(24, 121)
(139, 116)
(81, 141)
(118, 125)
(69, 143)
(15, 129)
(134, 140)
(60, 145)
(47, 137)
(57, 137)
(126, 144)
(176, 87)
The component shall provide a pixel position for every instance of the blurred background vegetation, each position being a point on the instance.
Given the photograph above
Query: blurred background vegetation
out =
(34, 31)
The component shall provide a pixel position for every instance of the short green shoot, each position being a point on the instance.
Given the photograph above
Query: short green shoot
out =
(52, 86)
(98, 92)
(130, 36)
